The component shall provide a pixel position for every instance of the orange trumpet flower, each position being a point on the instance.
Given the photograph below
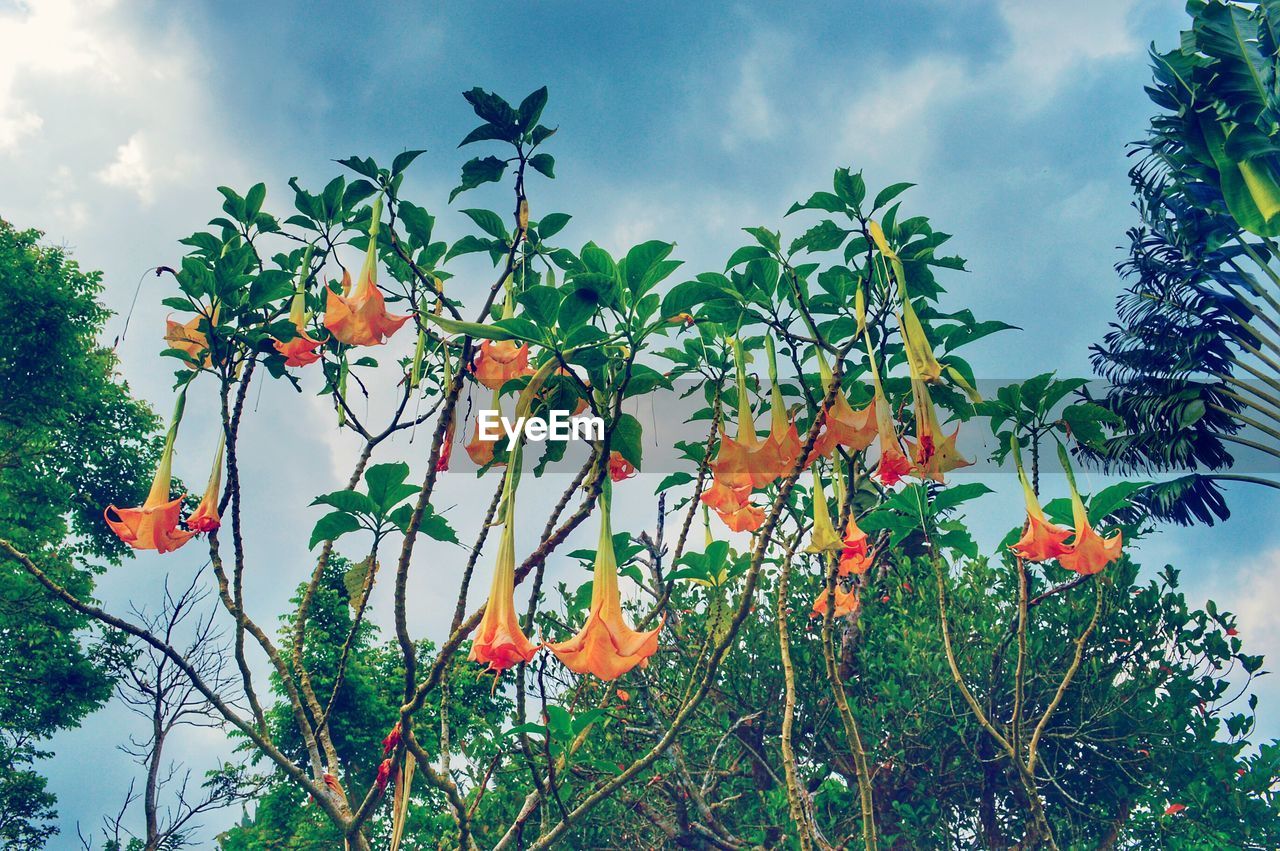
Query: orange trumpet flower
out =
(154, 525)
(734, 507)
(1088, 553)
(1041, 540)
(205, 518)
(847, 602)
(841, 424)
(499, 361)
(620, 469)
(935, 453)
(360, 318)
(893, 463)
(499, 641)
(188, 338)
(855, 557)
(606, 646)
(301, 349)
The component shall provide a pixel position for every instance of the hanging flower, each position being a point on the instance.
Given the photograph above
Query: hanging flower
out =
(384, 775)
(918, 350)
(300, 350)
(847, 602)
(841, 424)
(733, 505)
(359, 317)
(606, 646)
(824, 538)
(894, 464)
(1041, 540)
(499, 641)
(499, 361)
(935, 454)
(154, 525)
(205, 518)
(446, 448)
(1088, 553)
(620, 469)
(855, 556)
(392, 741)
(189, 339)
(481, 448)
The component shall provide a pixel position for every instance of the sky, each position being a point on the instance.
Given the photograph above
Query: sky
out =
(677, 121)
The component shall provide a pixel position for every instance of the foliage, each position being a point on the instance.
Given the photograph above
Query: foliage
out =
(72, 440)
(1192, 363)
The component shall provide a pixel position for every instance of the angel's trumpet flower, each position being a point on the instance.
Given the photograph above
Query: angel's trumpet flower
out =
(847, 602)
(189, 339)
(481, 447)
(301, 349)
(935, 453)
(499, 641)
(919, 352)
(360, 318)
(1089, 552)
(782, 446)
(735, 462)
(154, 525)
(855, 555)
(606, 646)
(620, 469)
(205, 518)
(733, 505)
(842, 425)
(894, 464)
(1042, 540)
(824, 538)
(499, 361)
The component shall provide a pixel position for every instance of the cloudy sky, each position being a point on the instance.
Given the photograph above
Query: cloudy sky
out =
(680, 121)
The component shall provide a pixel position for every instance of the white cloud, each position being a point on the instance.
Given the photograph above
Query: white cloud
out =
(1255, 598)
(1050, 40)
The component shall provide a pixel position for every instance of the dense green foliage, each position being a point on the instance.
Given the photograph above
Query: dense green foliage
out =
(72, 440)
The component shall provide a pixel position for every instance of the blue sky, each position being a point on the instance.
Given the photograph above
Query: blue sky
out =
(680, 121)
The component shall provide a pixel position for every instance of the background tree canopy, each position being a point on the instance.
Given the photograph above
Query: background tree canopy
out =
(70, 437)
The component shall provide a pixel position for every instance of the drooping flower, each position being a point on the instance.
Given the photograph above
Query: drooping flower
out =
(606, 646)
(894, 464)
(499, 641)
(499, 361)
(855, 556)
(841, 424)
(1041, 540)
(384, 775)
(1088, 552)
(733, 505)
(480, 448)
(154, 525)
(446, 448)
(782, 447)
(392, 741)
(620, 469)
(847, 602)
(189, 339)
(919, 352)
(935, 454)
(824, 538)
(205, 518)
(360, 318)
(735, 462)
(300, 350)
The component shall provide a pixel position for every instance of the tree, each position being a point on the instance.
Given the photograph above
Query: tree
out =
(829, 661)
(1192, 365)
(72, 439)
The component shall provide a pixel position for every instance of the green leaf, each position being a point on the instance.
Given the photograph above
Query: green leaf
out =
(541, 303)
(683, 298)
(253, 201)
(626, 439)
(471, 244)
(948, 498)
(403, 160)
(351, 502)
(850, 186)
(821, 201)
(531, 109)
(386, 485)
(1085, 421)
(366, 167)
(490, 222)
(333, 526)
(432, 525)
(479, 171)
(551, 224)
(1110, 500)
(642, 261)
(544, 164)
(473, 329)
(888, 194)
(824, 236)
(271, 285)
(746, 253)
